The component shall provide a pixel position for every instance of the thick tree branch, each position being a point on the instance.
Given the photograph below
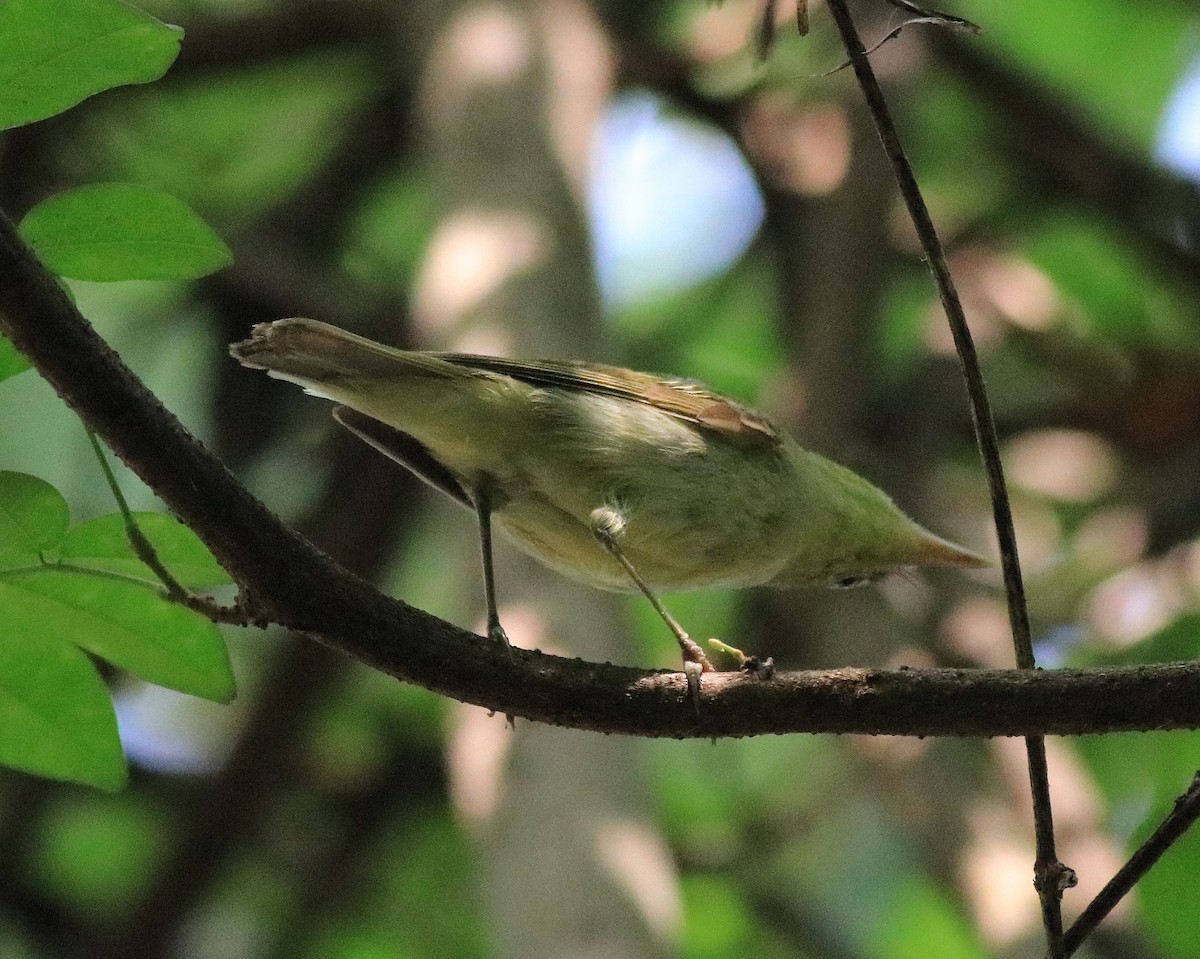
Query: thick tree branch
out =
(292, 583)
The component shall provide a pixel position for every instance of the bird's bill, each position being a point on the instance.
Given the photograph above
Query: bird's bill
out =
(935, 551)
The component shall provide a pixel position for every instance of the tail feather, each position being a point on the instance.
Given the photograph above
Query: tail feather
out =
(310, 352)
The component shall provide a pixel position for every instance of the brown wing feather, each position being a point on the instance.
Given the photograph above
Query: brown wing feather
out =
(685, 399)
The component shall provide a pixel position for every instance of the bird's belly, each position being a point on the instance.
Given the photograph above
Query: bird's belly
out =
(675, 538)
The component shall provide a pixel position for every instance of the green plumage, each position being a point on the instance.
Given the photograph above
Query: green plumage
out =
(711, 494)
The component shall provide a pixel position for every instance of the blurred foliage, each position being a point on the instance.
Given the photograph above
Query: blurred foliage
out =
(88, 587)
(85, 587)
(350, 816)
(252, 134)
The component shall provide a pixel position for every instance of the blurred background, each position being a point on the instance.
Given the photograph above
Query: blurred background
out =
(623, 181)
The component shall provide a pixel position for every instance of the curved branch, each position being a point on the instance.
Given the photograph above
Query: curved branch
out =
(289, 582)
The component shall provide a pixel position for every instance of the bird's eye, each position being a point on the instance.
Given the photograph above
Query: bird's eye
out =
(850, 582)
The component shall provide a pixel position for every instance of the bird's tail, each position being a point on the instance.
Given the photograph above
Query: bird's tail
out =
(312, 353)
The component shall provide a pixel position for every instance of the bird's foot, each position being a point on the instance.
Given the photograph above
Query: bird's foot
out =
(695, 665)
(497, 634)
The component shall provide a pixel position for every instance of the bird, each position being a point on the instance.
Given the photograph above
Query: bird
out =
(620, 479)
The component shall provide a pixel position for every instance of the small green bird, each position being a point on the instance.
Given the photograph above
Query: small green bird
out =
(624, 480)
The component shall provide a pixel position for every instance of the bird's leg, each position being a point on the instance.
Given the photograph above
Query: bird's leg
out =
(608, 525)
(483, 512)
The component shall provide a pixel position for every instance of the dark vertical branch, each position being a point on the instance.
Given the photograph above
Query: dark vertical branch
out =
(1050, 876)
(1180, 819)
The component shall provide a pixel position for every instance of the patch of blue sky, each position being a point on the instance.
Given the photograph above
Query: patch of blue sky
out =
(1179, 132)
(672, 201)
(169, 732)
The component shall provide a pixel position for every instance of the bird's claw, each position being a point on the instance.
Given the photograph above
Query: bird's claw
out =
(497, 634)
(693, 670)
(693, 654)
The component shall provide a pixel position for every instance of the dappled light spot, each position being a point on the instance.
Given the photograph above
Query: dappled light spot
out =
(470, 257)
(996, 864)
(909, 657)
(640, 864)
(169, 732)
(1020, 291)
(718, 31)
(1078, 806)
(480, 741)
(526, 627)
(476, 755)
(1179, 135)
(1189, 563)
(1133, 604)
(997, 876)
(1039, 534)
(581, 67)
(996, 289)
(907, 592)
(1112, 539)
(1080, 817)
(485, 45)
(967, 264)
(890, 749)
(802, 148)
(1067, 465)
(978, 628)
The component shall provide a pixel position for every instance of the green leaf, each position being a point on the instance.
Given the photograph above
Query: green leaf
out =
(33, 519)
(55, 53)
(12, 361)
(120, 231)
(55, 712)
(1116, 284)
(102, 544)
(1140, 785)
(125, 623)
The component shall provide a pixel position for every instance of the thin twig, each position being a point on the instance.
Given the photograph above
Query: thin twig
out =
(764, 33)
(920, 16)
(237, 614)
(924, 15)
(142, 546)
(764, 36)
(878, 44)
(1178, 821)
(1050, 876)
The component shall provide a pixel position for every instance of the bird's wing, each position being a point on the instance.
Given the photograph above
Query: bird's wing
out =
(405, 450)
(685, 399)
